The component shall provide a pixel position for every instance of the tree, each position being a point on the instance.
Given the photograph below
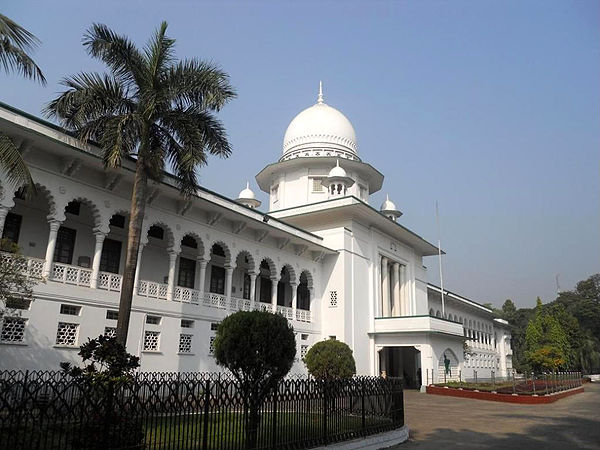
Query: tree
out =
(16, 286)
(258, 348)
(330, 360)
(15, 44)
(152, 108)
(508, 309)
(589, 288)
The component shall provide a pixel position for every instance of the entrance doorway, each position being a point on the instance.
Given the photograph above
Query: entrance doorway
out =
(402, 362)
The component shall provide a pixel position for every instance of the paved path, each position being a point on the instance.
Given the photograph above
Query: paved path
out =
(447, 423)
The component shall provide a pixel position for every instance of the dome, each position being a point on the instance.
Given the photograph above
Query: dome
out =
(337, 172)
(247, 197)
(320, 131)
(388, 205)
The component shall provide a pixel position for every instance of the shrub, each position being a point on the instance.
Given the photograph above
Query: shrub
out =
(259, 349)
(330, 360)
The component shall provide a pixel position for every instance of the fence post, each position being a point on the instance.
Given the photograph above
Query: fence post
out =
(546, 381)
(460, 378)
(493, 380)
(475, 373)
(533, 382)
(274, 422)
(205, 418)
(513, 380)
(325, 412)
(364, 415)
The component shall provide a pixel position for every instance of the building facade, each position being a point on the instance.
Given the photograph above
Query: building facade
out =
(322, 257)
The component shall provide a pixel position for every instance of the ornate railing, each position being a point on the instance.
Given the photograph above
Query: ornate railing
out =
(261, 306)
(152, 289)
(32, 267)
(65, 273)
(286, 312)
(240, 304)
(213, 300)
(303, 315)
(110, 281)
(187, 295)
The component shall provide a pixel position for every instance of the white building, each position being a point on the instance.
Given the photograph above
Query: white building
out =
(323, 257)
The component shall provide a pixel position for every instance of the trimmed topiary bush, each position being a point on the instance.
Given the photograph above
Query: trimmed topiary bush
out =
(330, 360)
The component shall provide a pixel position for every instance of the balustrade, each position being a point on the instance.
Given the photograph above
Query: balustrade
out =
(303, 315)
(153, 290)
(65, 273)
(186, 295)
(110, 281)
(32, 267)
(286, 312)
(213, 300)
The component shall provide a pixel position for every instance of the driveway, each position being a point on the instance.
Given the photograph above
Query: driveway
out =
(443, 423)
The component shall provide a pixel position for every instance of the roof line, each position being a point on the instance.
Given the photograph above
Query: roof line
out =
(165, 174)
(460, 297)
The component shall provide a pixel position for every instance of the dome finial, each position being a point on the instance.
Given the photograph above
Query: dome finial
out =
(320, 97)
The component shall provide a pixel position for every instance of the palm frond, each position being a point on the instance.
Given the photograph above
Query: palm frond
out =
(15, 42)
(89, 96)
(159, 52)
(200, 83)
(14, 168)
(117, 52)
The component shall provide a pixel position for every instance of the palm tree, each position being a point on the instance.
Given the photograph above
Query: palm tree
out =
(151, 107)
(15, 42)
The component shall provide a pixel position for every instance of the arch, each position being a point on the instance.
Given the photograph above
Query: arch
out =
(285, 286)
(249, 258)
(267, 272)
(224, 247)
(431, 312)
(309, 278)
(303, 291)
(169, 237)
(270, 265)
(291, 272)
(199, 242)
(448, 366)
(99, 221)
(438, 314)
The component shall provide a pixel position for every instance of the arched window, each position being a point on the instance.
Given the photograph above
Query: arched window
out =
(303, 293)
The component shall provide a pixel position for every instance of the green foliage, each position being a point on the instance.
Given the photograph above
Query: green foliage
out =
(106, 361)
(15, 285)
(258, 348)
(330, 360)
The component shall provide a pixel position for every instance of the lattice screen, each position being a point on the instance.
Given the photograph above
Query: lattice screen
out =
(66, 334)
(13, 329)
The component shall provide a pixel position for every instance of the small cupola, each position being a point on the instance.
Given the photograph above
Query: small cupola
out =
(389, 210)
(338, 181)
(247, 198)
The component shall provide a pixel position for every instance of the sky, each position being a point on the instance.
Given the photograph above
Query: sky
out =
(489, 108)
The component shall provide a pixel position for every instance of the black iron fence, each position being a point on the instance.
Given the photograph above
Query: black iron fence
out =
(51, 410)
(523, 384)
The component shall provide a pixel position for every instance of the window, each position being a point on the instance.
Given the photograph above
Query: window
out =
(65, 243)
(12, 227)
(246, 290)
(217, 250)
(73, 208)
(304, 337)
(17, 303)
(333, 299)
(112, 315)
(303, 296)
(117, 221)
(275, 192)
(151, 341)
(187, 273)
(13, 329)
(211, 345)
(70, 310)
(66, 334)
(187, 323)
(156, 232)
(362, 192)
(111, 256)
(214, 326)
(153, 320)
(316, 185)
(265, 289)
(217, 280)
(303, 351)
(110, 332)
(185, 343)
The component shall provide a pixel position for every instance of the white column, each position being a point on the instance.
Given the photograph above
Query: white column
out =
(228, 282)
(202, 263)
(54, 226)
(253, 286)
(294, 299)
(274, 281)
(3, 213)
(405, 304)
(171, 278)
(138, 265)
(397, 310)
(385, 288)
(97, 256)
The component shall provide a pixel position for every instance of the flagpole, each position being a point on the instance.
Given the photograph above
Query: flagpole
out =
(437, 220)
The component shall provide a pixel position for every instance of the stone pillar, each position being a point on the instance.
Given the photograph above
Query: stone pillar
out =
(100, 235)
(3, 213)
(138, 265)
(274, 281)
(171, 279)
(54, 226)
(228, 282)
(385, 288)
(294, 299)
(253, 276)
(202, 263)
(397, 309)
